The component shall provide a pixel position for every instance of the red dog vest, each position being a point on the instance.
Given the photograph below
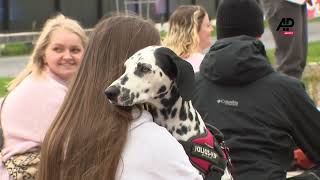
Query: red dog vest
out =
(207, 155)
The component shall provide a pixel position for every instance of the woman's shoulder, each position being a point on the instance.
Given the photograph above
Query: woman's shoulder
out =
(195, 60)
(155, 153)
(40, 84)
(36, 90)
(150, 131)
(195, 57)
(146, 133)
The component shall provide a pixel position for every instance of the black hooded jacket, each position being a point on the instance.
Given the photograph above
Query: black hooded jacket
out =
(261, 113)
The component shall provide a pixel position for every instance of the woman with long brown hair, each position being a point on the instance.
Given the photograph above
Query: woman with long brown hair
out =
(92, 139)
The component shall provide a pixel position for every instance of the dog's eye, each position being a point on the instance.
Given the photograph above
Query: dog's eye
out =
(144, 67)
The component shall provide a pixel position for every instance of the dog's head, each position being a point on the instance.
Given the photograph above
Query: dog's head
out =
(150, 74)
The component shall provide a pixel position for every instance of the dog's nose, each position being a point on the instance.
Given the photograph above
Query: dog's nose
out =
(112, 93)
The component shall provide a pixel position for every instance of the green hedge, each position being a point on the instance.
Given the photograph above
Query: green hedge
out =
(16, 49)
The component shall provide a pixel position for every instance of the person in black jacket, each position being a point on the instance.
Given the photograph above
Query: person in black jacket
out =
(263, 114)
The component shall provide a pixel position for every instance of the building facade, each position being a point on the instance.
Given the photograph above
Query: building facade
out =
(29, 15)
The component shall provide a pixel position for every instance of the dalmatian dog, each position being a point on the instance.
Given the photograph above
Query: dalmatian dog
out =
(162, 82)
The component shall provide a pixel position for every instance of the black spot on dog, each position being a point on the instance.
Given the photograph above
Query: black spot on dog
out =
(145, 107)
(131, 98)
(196, 128)
(142, 69)
(129, 101)
(138, 73)
(160, 74)
(183, 130)
(124, 80)
(169, 103)
(125, 94)
(154, 72)
(152, 110)
(137, 95)
(197, 118)
(174, 91)
(161, 95)
(190, 116)
(164, 113)
(183, 114)
(146, 91)
(173, 112)
(162, 89)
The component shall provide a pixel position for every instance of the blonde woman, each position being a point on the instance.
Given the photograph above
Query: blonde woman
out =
(36, 94)
(189, 33)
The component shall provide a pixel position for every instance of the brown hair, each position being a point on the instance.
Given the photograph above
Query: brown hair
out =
(184, 26)
(36, 63)
(86, 139)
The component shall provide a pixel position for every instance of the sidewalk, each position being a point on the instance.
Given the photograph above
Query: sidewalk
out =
(11, 66)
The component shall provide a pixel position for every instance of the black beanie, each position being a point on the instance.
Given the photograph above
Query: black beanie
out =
(239, 17)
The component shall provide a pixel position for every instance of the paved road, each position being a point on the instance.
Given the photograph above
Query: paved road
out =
(11, 66)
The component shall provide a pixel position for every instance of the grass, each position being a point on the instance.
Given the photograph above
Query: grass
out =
(313, 53)
(3, 84)
(14, 49)
(314, 20)
(163, 34)
(271, 56)
(311, 75)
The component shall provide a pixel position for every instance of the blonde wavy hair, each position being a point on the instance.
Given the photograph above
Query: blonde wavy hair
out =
(36, 62)
(184, 26)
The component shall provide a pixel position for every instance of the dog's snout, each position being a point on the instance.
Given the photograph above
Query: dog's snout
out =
(112, 93)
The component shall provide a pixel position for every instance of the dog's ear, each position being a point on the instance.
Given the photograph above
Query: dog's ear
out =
(177, 69)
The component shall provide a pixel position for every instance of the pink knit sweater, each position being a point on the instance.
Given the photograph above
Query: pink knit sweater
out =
(27, 114)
